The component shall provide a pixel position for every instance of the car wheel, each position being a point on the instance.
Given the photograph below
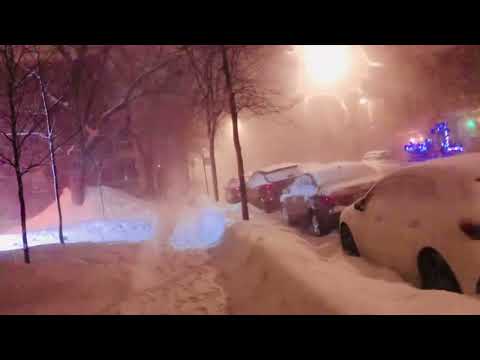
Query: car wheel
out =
(435, 273)
(347, 241)
(319, 224)
(267, 207)
(285, 216)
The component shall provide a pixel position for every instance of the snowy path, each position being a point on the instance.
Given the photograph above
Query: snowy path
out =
(109, 279)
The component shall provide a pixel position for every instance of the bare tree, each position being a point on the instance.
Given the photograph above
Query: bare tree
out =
(105, 80)
(41, 60)
(205, 64)
(20, 121)
(244, 68)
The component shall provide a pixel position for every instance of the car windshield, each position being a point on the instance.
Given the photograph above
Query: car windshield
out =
(283, 174)
(378, 155)
(342, 172)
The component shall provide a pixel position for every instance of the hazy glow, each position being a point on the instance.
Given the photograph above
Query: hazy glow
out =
(363, 101)
(93, 231)
(326, 64)
(199, 229)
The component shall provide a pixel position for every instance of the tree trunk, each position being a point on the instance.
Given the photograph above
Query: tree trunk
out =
(23, 216)
(78, 175)
(146, 152)
(53, 162)
(236, 138)
(55, 188)
(213, 168)
(77, 178)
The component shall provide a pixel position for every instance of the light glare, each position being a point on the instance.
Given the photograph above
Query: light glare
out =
(326, 64)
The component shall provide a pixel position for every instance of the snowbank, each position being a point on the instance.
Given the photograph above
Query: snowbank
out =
(97, 279)
(116, 205)
(120, 217)
(271, 270)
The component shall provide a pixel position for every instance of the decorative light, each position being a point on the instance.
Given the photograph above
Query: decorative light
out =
(423, 150)
(471, 124)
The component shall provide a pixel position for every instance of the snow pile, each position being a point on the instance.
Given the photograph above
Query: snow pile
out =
(116, 205)
(109, 279)
(270, 270)
(121, 217)
(199, 229)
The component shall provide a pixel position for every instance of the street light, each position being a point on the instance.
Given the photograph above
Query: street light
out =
(363, 101)
(326, 64)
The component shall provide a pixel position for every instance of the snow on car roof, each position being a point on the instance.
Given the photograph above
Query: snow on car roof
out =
(276, 167)
(325, 172)
(465, 164)
(336, 186)
(378, 152)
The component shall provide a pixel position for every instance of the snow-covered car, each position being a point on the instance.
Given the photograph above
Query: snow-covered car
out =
(316, 198)
(383, 160)
(424, 222)
(232, 190)
(378, 155)
(266, 185)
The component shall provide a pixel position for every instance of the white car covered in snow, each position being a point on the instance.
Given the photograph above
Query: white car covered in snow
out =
(383, 160)
(424, 222)
(316, 198)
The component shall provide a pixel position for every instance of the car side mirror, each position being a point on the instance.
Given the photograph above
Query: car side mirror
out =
(361, 205)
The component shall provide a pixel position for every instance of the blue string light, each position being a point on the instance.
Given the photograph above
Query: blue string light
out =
(422, 150)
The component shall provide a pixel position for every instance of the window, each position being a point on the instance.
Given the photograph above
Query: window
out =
(304, 180)
(257, 179)
(283, 174)
(403, 190)
(128, 169)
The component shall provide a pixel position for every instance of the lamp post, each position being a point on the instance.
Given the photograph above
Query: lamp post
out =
(205, 160)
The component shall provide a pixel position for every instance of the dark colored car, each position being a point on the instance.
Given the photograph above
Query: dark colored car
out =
(232, 191)
(265, 186)
(316, 198)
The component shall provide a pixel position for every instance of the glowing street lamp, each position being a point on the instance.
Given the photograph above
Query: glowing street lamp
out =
(326, 64)
(363, 101)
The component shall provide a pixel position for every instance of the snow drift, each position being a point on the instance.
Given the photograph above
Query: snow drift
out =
(85, 279)
(119, 217)
(271, 270)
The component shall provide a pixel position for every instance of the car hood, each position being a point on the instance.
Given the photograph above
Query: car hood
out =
(350, 185)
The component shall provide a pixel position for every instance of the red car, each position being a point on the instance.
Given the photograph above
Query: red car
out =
(265, 186)
(232, 190)
(316, 198)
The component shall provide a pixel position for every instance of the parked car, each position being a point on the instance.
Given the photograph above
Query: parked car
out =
(424, 222)
(316, 198)
(232, 190)
(265, 186)
(378, 155)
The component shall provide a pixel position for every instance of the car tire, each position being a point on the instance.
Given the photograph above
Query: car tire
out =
(284, 212)
(348, 243)
(268, 208)
(319, 226)
(435, 273)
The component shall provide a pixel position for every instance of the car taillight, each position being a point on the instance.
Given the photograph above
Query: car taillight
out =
(470, 229)
(326, 200)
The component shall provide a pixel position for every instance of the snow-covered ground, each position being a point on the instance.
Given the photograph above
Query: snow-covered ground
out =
(141, 278)
(271, 269)
(119, 217)
(138, 258)
(202, 259)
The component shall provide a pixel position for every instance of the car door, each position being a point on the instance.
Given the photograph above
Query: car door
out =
(419, 205)
(253, 188)
(298, 194)
(379, 219)
(397, 218)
